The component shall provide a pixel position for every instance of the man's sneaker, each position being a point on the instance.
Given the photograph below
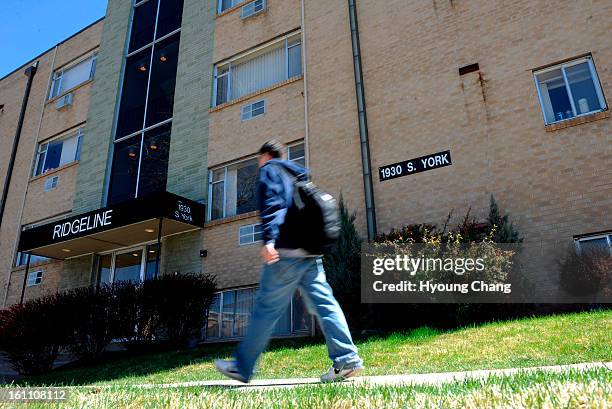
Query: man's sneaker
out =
(229, 369)
(337, 375)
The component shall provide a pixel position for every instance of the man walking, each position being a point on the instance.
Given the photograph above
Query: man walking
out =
(287, 266)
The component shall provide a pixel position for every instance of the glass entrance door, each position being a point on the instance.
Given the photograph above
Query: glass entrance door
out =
(135, 265)
(128, 266)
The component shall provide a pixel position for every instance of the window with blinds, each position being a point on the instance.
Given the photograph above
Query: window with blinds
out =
(263, 68)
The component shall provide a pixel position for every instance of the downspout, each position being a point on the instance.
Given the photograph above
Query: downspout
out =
(29, 72)
(363, 124)
(305, 79)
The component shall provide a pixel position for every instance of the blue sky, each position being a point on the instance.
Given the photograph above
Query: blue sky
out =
(30, 27)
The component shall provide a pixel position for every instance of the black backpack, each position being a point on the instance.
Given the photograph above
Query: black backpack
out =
(314, 213)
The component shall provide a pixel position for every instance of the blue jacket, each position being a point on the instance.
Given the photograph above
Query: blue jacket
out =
(274, 197)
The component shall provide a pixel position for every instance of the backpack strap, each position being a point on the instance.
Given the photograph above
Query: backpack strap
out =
(297, 199)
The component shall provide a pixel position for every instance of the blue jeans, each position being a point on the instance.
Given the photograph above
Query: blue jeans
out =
(278, 283)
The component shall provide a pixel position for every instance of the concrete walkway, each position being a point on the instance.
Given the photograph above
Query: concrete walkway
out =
(393, 380)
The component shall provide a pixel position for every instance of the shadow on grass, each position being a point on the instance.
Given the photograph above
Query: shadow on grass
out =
(123, 364)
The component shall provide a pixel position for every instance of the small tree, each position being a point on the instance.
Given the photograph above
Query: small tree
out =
(343, 267)
(504, 228)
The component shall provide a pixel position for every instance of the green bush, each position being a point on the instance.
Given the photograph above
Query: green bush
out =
(85, 320)
(174, 307)
(33, 333)
(343, 268)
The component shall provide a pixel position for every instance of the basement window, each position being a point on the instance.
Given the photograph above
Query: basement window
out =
(569, 90)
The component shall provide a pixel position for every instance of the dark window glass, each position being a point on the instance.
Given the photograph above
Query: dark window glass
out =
(151, 261)
(54, 154)
(131, 111)
(170, 16)
(212, 321)
(104, 269)
(127, 266)
(222, 86)
(228, 313)
(163, 80)
(217, 201)
(125, 170)
(154, 164)
(295, 61)
(246, 200)
(143, 25)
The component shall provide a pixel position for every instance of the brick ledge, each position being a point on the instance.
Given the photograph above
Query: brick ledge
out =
(256, 93)
(578, 121)
(231, 219)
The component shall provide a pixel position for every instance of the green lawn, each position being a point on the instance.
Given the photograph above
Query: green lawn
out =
(590, 389)
(559, 339)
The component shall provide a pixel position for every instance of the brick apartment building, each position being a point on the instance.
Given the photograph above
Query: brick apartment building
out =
(177, 96)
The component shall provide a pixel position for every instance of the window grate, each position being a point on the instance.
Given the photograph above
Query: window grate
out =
(252, 9)
(253, 110)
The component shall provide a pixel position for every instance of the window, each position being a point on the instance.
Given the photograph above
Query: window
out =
(296, 154)
(569, 90)
(134, 265)
(22, 259)
(249, 234)
(260, 69)
(67, 78)
(596, 244)
(58, 152)
(51, 183)
(253, 110)
(253, 8)
(232, 190)
(223, 5)
(144, 120)
(34, 278)
(229, 313)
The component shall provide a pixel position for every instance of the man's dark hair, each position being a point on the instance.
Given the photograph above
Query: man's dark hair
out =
(273, 147)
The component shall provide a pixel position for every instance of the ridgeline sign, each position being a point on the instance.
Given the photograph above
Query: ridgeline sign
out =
(156, 205)
(416, 165)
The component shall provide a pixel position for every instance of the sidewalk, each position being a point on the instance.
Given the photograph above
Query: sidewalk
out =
(394, 380)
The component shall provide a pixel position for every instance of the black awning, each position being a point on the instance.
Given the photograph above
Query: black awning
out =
(120, 225)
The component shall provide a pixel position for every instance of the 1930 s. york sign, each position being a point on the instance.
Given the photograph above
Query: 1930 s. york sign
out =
(416, 165)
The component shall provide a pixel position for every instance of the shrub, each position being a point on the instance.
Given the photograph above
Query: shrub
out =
(586, 272)
(33, 333)
(97, 316)
(174, 307)
(343, 267)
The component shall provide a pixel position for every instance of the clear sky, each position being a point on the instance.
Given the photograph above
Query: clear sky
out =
(30, 27)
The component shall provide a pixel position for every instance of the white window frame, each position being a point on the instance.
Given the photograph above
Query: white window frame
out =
(607, 236)
(58, 74)
(41, 150)
(295, 39)
(293, 145)
(224, 181)
(246, 112)
(563, 67)
(251, 7)
(251, 234)
(234, 4)
(143, 260)
(34, 278)
(219, 337)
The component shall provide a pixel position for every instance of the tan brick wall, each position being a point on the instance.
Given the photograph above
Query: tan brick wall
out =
(41, 205)
(234, 265)
(230, 138)
(38, 204)
(334, 149)
(555, 184)
(234, 35)
(52, 273)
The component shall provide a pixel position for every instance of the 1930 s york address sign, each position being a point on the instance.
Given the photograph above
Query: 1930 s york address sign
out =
(417, 165)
